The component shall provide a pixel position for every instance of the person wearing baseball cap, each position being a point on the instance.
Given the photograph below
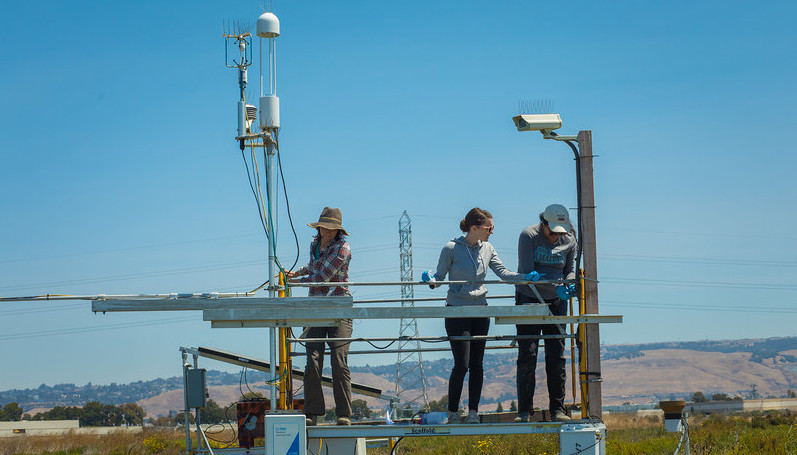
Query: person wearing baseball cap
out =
(329, 262)
(549, 250)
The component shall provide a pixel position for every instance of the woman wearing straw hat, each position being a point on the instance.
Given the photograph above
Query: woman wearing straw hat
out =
(329, 262)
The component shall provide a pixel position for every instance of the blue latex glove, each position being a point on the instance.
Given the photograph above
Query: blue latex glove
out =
(534, 276)
(428, 277)
(566, 292)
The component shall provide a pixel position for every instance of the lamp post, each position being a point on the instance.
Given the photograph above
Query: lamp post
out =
(581, 145)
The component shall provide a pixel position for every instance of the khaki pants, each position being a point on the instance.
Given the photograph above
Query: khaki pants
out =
(341, 377)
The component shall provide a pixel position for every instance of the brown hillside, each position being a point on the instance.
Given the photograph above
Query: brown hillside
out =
(654, 375)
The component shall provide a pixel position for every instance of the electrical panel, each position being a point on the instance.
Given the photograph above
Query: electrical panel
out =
(197, 388)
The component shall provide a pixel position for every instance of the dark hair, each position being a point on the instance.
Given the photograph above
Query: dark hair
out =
(543, 220)
(476, 217)
(339, 235)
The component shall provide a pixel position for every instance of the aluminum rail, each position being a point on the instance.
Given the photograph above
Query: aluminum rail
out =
(425, 299)
(224, 295)
(170, 296)
(273, 303)
(419, 283)
(399, 351)
(431, 339)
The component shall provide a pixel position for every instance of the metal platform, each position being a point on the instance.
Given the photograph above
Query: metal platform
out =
(398, 431)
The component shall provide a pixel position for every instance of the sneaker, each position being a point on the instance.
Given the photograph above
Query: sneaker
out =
(560, 416)
(310, 421)
(344, 421)
(472, 417)
(522, 417)
(454, 417)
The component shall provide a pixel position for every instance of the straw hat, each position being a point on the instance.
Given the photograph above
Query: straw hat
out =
(330, 219)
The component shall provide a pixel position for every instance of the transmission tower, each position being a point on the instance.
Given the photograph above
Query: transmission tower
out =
(410, 378)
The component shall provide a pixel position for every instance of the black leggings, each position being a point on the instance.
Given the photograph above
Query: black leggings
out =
(468, 357)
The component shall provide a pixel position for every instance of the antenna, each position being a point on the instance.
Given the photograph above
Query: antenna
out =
(239, 39)
(538, 106)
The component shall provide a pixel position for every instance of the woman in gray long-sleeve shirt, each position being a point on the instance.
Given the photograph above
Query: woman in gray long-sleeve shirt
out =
(467, 258)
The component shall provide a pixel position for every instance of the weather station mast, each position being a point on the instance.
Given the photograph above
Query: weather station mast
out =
(267, 137)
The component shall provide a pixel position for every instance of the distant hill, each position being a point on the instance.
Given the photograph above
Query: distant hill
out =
(631, 373)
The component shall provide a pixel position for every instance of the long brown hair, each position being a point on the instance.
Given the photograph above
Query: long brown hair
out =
(475, 217)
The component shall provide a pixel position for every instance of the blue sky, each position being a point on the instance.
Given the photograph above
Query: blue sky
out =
(120, 173)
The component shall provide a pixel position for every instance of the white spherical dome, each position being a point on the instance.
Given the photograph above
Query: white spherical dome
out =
(268, 26)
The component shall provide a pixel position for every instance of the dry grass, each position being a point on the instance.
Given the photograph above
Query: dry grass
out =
(626, 421)
(116, 443)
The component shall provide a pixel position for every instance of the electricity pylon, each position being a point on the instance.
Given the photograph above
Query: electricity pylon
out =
(410, 377)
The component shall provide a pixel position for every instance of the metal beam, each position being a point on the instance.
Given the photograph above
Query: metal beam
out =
(270, 303)
(320, 318)
(322, 313)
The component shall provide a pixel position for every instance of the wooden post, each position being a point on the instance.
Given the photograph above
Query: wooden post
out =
(590, 257)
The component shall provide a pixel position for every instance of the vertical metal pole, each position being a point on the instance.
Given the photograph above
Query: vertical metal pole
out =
(285, 361)
(199, 443)
(270, 191)
(589, 242)
(582, 356)
(188, 448)
(573, 371)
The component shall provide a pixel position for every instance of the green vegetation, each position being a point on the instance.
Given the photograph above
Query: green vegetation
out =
(11, 412)
(770, 433)
(96, 414)
(773, 433)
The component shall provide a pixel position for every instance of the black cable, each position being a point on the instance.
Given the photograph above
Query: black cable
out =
(393, 451)
(380, 348)
(579, 239)
(257, 199)
(577, 452)
(227, 417)
(246, 382)
(287, 201)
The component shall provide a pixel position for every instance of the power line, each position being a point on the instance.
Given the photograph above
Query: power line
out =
(694, 260)
(101, 328)
(704, 284)
(48, 308)
(701, 307)
(232, 265)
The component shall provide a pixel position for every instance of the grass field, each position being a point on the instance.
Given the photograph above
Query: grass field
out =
(761, 434)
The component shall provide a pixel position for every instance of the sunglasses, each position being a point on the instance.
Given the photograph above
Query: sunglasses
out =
(489, 228)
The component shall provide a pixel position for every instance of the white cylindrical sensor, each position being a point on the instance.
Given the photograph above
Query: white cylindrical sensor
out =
(269, 112)
(241, 118)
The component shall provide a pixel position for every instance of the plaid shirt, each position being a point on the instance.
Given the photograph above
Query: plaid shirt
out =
(332, 264)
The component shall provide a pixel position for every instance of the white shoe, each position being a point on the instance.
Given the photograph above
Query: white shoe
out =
(472, 417)
(522, 417)
(454, 417)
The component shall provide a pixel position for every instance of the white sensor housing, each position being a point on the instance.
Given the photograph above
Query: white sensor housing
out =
(269, 112)
(537, 122)
(268, 26)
